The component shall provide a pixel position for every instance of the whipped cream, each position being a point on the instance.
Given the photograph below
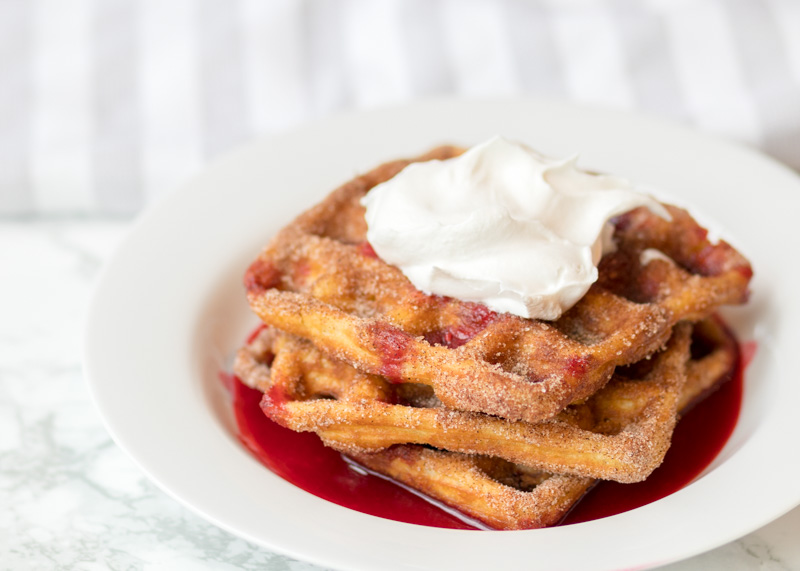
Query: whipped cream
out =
(500, 224)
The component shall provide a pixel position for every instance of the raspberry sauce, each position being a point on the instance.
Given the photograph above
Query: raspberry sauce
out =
(714, 417)
(303, 460)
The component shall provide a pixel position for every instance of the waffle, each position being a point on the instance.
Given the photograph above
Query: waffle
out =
(319, 280)
(305, 390)
(498, 494)
(357, 412)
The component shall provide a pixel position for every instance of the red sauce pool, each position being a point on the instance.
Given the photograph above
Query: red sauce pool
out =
(714, 417)
(303, 460)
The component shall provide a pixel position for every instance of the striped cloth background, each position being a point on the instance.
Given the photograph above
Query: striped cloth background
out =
(105, 104)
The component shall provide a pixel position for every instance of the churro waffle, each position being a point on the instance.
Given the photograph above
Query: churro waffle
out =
(319, 280)
(620, 433)
(501, 493)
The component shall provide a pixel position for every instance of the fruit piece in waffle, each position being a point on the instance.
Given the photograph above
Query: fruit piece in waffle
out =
(621, 433)
(503, 494)
(318, 279)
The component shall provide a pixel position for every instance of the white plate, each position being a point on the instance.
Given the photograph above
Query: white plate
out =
(169, 311)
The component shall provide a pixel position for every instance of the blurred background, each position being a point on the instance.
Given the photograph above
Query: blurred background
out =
(107, 104)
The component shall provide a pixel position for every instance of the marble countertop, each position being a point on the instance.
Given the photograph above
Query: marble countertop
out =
(70, 499)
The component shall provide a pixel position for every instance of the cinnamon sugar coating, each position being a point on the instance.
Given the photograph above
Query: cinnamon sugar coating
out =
(499, 494)
(509, 420)
(319, 280)
(510, 475)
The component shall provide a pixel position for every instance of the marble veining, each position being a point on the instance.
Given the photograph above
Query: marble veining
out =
(71, 499)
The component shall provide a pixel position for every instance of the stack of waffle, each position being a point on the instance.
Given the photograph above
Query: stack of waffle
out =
(508, 420)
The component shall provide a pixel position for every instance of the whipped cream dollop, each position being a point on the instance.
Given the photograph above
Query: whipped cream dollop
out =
(501, 225)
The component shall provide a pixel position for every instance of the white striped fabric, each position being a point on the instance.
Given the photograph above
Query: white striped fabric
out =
(171, 132)
(106, 104)
(59, 111)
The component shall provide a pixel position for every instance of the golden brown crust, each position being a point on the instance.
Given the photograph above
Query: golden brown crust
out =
(481, 479)
(509, 420)
(472, 485)
(317, 280)
(354, 411)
